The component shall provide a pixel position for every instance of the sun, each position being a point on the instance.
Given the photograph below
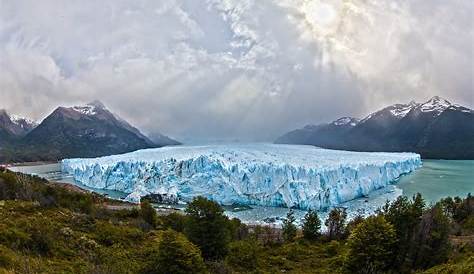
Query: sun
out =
(322, 17)
(338, 27)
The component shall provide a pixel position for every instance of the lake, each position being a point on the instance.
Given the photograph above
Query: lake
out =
(438, 179)
(435, 180)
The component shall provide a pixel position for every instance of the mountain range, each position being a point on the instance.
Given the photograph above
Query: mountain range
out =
(435, 129)
(80, 131)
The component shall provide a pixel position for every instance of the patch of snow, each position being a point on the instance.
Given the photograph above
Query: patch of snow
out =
(87, 110)
(90, 109)
(461, 108)
(367, 118)
(21, 121)
(345, 121)
(401, 110)
(435, 104)
(254, 174)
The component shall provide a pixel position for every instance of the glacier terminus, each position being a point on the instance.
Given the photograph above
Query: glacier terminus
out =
(294, 176)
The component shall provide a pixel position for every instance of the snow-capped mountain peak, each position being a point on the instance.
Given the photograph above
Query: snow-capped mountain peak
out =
(23, 122)
(97, 104)
(436, 104)
(15, 124)
(90, 109)
(401, 110)
(398, 111)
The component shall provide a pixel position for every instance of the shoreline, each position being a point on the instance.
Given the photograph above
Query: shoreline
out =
(110, 203)
(23, 164)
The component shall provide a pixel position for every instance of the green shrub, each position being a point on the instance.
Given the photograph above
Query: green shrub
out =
(127, 213)
(17, 186)
(333, 248)
(468, 225)
(352, 224)
(7, 257)
(238, 230)
(110, 234)
(174, 254)
(371, 246)
(41, 240)
(243, 255)
(463, 266)
(175, 221)
(148, 213)
(208, 228)
(14, 238)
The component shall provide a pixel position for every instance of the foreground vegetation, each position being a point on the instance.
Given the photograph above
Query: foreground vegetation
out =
(45, 228)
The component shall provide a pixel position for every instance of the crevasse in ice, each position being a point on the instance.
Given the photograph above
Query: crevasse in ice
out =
(255, 174)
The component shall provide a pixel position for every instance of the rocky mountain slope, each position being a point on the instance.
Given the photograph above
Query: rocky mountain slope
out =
(15, 126)
(435, 129)
(80, 131)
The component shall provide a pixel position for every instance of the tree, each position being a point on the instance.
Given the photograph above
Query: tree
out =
(311, 226)
(352, 224)
(148, 213)
(418, 205)
(335, 223)
(208, 228)
(243, 255)
(458, 209)
(405, 216)
(431, 242)
(175, 221)
(175, 254)
(289, 227)
(371, 246)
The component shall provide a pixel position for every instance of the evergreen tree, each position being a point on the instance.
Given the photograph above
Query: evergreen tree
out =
(311, 226)
(352, 224)
(335, 223)
(431, 241)
(405, 216)
(418, 205)
(208, 228)
(458, 209)
(148, 213)
(175, 254)
(371, 246)
(289, 227)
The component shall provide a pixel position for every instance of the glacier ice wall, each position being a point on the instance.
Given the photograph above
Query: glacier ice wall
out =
(256, 174)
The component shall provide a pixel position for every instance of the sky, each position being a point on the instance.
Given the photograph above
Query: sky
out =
(246, 70)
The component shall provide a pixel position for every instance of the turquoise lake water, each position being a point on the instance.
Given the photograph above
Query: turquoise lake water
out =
(438, 179)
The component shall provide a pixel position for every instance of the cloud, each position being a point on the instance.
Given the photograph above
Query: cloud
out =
(233, 69)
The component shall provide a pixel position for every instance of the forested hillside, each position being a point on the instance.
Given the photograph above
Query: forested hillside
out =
(54, 228)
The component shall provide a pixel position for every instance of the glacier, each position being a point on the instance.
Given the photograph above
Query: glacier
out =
(296, 176)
